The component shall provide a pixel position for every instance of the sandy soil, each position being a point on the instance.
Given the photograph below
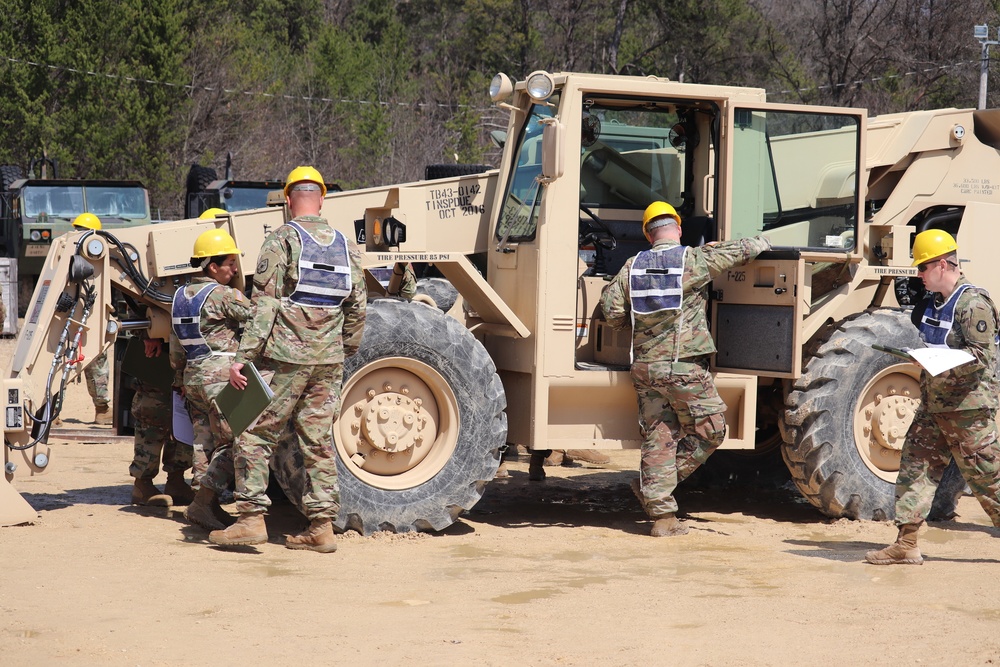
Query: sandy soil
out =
(553, 573)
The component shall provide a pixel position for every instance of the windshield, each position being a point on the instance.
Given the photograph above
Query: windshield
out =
(69, 201)
(244, 199)
(116, 202)
(795, 177)
(519, 215)
(60, 201)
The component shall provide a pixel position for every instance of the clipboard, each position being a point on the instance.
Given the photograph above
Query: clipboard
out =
(242, 408)
(894, 351)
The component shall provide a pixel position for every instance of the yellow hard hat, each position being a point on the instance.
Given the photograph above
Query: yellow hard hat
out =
(211, 213)
(655, 211)
(932, 243)
(87, 221)
(300, 174)
(214, 242)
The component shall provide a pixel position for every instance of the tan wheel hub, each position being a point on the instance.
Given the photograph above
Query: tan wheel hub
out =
(398, 424)
(393, 422)
(883, 415)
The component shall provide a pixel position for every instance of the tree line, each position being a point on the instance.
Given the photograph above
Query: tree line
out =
(370, 91)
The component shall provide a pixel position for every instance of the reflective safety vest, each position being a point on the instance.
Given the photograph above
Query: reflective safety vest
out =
(655, 280)
(185, 315)
(935, 323)
(324, 271)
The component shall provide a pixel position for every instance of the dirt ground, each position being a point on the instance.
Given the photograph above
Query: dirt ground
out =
(554, 573)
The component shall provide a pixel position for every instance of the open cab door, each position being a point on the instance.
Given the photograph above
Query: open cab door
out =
(793, 174)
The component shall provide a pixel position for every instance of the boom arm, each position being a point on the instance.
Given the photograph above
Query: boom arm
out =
(72, 318)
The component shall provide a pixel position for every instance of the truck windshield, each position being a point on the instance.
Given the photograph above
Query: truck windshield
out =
(117, 202)
(69, 201)
(795, 177)
(244, 199)
(519, 215)
(59, 201)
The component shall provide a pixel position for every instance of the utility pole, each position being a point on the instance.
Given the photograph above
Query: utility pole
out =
(982, 34)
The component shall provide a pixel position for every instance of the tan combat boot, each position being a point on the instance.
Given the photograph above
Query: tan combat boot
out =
(317, 537)
(103, 416)
(591, 456)
(178, 489)
(555, 458)
(248, 529)
(903, 551)
(205, 511)
(668, 526)
(144, 492)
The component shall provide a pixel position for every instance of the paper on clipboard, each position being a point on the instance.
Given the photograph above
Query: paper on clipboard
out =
(934, 360)
(182, 428)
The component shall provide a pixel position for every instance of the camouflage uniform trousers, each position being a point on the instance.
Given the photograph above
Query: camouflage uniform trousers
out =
(970, 436)
(152, 411)
(682, 422)
(213, 440)
(306, 400)
(97, 380)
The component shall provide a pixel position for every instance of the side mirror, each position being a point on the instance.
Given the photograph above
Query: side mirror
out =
(552, 150)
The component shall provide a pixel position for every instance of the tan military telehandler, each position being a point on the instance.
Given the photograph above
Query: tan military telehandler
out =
(525, 357)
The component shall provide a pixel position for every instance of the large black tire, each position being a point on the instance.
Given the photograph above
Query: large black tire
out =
(440, 290)
(435, 171)
(422, 422)
(846, 419)
(198, 180)
(10, 230)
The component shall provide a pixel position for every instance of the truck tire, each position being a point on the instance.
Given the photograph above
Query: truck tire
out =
(846, 419)
(422, 422)
(441, 291)
(436, 171)
(10, 232)
(198, 180)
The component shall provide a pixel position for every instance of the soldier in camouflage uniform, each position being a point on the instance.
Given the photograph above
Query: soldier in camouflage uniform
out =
(957, 413)
(207, 315)
(407, 282)
(680, 410)
(308, 313)
(97, 374)
(152, 410)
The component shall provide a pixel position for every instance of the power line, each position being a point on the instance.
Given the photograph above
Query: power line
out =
(876, 79)
(233, 91)
(306, 98)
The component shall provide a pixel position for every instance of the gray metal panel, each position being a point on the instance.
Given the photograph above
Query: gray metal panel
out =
(8, 288)
(754, 337)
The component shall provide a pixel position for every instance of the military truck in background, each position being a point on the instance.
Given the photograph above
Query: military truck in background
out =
(430, 399)
(36, 210)
(205, 190)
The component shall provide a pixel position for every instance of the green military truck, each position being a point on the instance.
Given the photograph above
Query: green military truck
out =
(205, 190)
(34, 211)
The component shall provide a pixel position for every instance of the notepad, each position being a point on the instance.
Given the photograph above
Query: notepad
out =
(242, 408)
